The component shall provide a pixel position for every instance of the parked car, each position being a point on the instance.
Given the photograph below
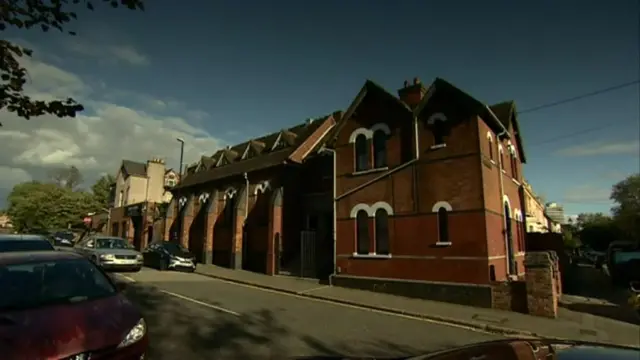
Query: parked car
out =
(63, 238)
(62, 298)
(24, 242)
(169, 256)
(111, 253)
(622, 262)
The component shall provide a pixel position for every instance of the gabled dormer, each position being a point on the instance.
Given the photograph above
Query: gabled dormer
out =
(254, 148)
(285, 139)
(227, 157)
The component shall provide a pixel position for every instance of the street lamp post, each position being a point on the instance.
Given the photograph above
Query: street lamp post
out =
(181, 141)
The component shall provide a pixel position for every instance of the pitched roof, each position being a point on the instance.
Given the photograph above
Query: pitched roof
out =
(265, 154)
(134, 168)
(372, 88)
(507, 114)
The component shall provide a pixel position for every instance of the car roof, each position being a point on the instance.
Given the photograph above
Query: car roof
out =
(21, 257)
(25, 237)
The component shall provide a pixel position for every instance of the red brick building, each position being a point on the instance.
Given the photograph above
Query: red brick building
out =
(247, 205)
(428, 190)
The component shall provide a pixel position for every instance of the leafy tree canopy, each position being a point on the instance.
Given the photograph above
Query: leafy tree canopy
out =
(102, 190)
(626, 211)
(45, 15)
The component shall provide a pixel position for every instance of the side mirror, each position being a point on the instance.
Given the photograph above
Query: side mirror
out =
(635, 286)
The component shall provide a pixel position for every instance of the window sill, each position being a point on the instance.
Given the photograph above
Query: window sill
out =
(515, 181)
(371, 256)
(504, 171)
(492, 161)
(443, 244)
(439, 146)
(369, 171)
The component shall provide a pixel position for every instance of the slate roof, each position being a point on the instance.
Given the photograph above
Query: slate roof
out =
(134, 168)
(263, 152)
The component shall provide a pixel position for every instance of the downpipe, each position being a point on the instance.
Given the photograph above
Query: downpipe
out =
(504, 215)
(334, 232)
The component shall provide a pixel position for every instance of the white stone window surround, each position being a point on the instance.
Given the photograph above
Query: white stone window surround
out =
(436, 208)
(432, 120)
(368, 134)
(371, 212)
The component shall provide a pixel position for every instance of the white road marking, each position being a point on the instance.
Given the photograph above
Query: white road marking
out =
(218, 308)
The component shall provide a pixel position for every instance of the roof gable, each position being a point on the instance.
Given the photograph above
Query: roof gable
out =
(369, 88)
(508, 115)
(133, 168)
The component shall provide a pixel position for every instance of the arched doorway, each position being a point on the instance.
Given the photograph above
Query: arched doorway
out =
(509, 239)
(197, 231)
(223, 231)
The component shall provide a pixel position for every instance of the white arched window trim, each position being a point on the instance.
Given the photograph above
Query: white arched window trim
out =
(517, 215)
(500, 149)
(261, 187)
(441, 204)
(505, 200)
(436, 117)
(230, 193)
(489, 136)
(371, 212)
(380, 127)
(360, 131)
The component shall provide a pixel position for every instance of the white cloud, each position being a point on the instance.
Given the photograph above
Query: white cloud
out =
(588, 194)
(96, 140)
(631, 147)
(106, 53)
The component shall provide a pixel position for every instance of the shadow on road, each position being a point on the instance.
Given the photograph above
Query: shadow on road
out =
(196, 332)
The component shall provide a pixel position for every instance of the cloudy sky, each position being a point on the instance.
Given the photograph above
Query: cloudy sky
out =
(215, 73)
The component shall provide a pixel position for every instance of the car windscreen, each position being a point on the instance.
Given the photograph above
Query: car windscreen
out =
(175, 248)
(38, 284)
(24, 245)
(625, 256)
(64, 235)
(112, 243)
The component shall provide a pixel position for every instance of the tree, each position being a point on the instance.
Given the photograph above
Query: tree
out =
(69, 178)
(626, 211)
(35, 206)
(596, 230)
(46, 15)
(102, 191)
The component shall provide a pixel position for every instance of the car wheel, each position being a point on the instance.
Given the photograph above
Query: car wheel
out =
(164, 265)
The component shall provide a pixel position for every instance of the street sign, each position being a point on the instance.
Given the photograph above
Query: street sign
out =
(87, 220)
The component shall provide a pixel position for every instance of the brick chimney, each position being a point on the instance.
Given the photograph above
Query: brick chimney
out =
(412, 93)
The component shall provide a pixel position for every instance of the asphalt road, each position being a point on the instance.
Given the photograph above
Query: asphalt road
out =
(191, 316)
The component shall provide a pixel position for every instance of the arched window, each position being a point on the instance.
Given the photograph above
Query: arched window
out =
(509, 234)
(502, 160)
(490, 141)
(362, 232)
(379, 149)
(229, 211)
(514, 166)
(362, 153)
(382, 232)
(443, 225)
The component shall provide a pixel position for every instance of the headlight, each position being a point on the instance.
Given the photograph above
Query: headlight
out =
(107, 257)
(135, 334)
(139, 257)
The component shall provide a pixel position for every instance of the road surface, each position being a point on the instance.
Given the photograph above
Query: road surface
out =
(191, 316)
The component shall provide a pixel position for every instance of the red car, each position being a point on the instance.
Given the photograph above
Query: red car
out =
(60, 305)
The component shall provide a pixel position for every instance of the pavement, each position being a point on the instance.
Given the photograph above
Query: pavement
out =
(191, 316)
(226, 313)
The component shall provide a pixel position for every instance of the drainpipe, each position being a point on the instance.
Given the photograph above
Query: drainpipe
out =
(246, 201)
(415, 133)
(504, 217)
(335, 213)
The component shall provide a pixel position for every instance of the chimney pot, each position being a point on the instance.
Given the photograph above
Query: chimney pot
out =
(406, 83)
(309, 121)
(416, 80)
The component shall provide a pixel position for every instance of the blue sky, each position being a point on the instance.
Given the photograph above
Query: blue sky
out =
(244, 68)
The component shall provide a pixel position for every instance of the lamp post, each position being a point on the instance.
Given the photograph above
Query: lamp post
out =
(181, 141)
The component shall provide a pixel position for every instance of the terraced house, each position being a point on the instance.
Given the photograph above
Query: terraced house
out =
(418, 194)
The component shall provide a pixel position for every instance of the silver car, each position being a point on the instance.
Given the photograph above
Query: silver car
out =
(111, 253)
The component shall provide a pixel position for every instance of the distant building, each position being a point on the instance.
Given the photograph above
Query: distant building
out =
(139, 188)
(535, 218)
(555, 212)
(5, 221)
